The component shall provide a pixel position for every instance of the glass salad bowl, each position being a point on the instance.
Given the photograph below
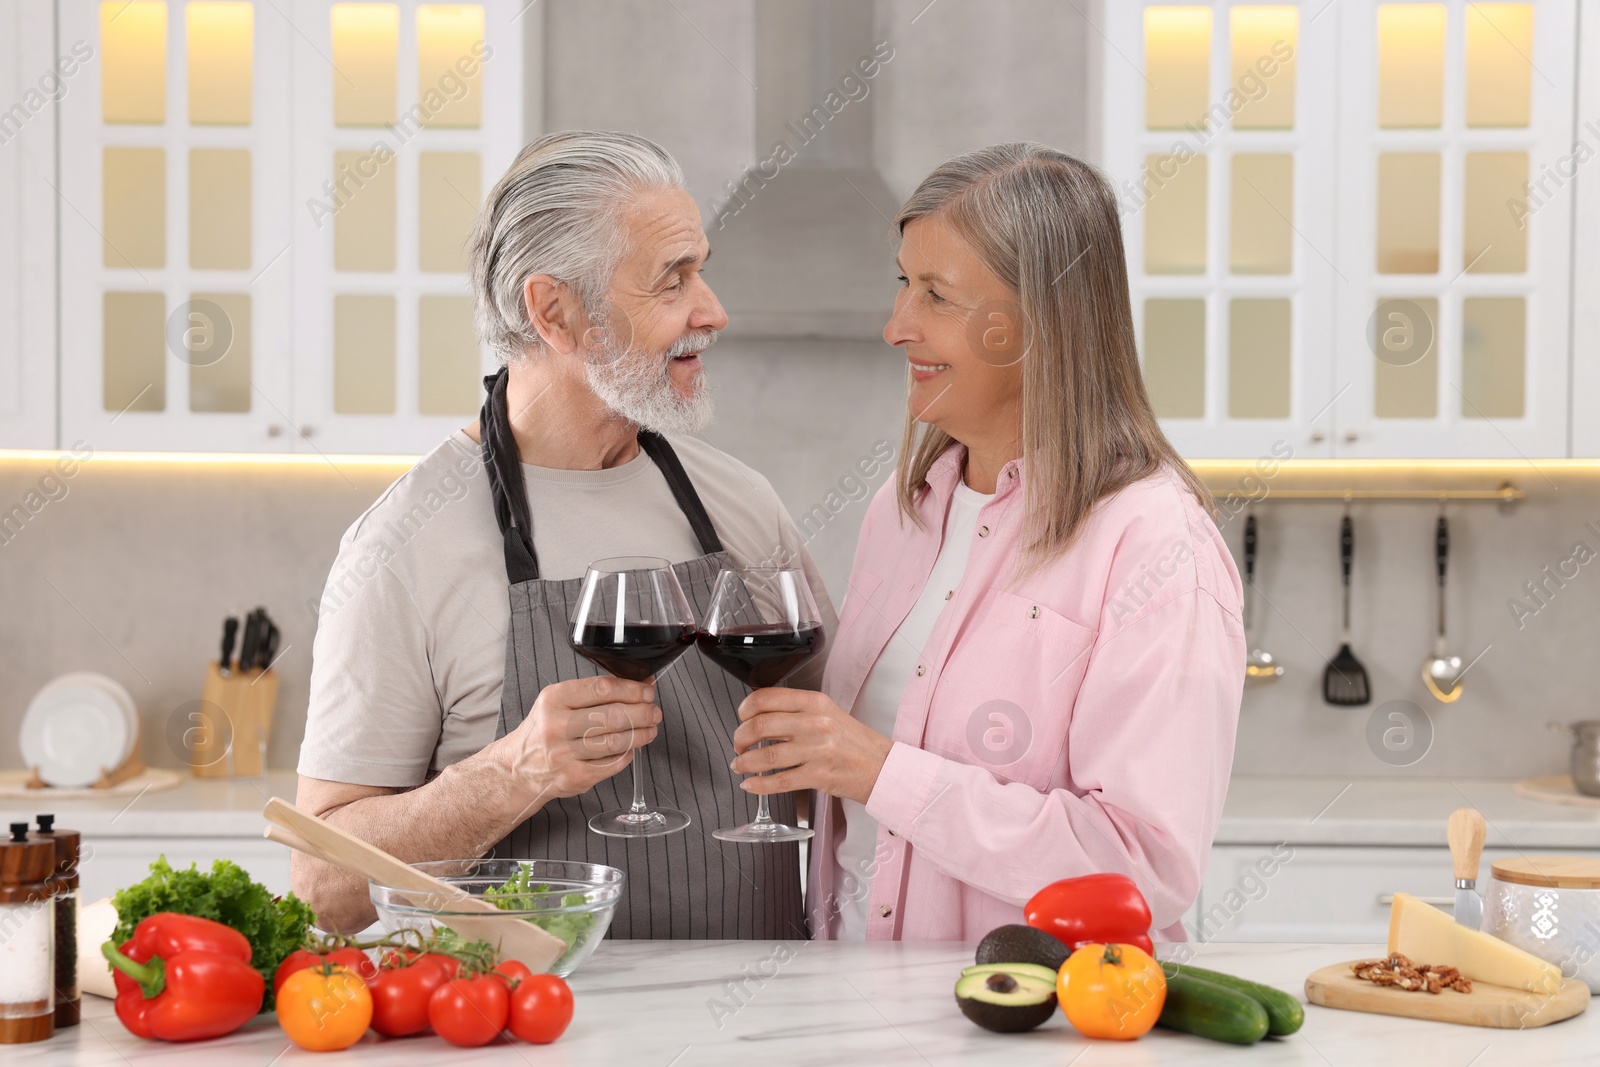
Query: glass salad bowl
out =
(572, 901)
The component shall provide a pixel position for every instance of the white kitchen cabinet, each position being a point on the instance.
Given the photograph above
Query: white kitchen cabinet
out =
(1287, 174)
(1322, 893)
(264, 211)
(32, 75)
(112, 863)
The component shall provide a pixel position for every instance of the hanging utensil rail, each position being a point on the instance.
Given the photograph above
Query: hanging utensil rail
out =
(1507, 494)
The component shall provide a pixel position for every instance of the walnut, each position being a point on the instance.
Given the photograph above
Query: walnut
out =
(1398, 970)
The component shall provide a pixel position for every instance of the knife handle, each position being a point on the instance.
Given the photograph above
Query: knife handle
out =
(230, 630)
(1465, 834)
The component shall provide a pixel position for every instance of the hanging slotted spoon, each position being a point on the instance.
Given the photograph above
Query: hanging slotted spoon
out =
(1259, 666)
(1344, 682)
(1441, 672)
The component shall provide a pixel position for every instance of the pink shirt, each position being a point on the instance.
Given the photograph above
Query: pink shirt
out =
(1080, 721)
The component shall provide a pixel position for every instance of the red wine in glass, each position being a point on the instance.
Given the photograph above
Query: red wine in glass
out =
(761, 626)
(761, 654)
(633, 621)
(637, 652)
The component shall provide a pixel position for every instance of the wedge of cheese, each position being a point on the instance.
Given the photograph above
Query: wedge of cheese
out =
(1428, 935)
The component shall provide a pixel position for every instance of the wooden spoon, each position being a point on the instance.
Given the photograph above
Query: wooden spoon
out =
(512, 937)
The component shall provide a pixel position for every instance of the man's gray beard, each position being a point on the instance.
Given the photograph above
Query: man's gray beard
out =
(635, 385)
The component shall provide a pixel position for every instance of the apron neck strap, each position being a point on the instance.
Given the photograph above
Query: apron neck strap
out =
(510, 491)
(682, 491)
(506, 484)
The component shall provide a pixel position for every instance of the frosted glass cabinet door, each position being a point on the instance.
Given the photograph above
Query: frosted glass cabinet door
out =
(396, 158)
(1215, 132)
(27, 241)
(1451, 315)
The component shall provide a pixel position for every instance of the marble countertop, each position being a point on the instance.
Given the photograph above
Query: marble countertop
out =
(679, 1003)
(1395, 811)
(1260, 810)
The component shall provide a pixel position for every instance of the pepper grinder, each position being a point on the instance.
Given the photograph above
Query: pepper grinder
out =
(64, 885)
(27, 938)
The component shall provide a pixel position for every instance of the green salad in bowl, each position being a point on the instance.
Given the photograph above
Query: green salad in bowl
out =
(569, 900)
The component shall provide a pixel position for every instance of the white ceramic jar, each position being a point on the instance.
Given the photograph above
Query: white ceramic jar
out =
(1549, 906)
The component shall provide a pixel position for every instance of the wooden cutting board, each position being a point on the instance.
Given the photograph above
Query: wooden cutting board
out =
(1487, 1005)
(1557, 789)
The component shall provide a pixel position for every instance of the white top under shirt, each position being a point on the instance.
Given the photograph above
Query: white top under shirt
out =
(879, 700)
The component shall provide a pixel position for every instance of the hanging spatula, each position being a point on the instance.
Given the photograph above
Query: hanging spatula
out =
(1344, 682)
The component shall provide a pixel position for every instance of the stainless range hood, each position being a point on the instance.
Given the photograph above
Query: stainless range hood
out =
(802, 238)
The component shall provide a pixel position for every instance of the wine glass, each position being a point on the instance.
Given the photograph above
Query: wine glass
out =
(633, 620)
(762, 624)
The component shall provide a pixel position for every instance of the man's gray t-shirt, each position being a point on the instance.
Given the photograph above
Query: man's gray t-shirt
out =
(409, 658)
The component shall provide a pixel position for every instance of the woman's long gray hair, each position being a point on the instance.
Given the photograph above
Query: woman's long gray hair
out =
(1046, 224)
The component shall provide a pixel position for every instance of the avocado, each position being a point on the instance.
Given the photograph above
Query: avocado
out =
(1016, 943)
(1007, 998)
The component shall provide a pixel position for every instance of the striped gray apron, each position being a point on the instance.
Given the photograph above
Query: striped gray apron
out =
(682, 885)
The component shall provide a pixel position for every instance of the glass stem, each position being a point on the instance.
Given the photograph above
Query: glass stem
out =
(638, 807)
(763, 803)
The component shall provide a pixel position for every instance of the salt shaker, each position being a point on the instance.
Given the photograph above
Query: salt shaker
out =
(64, 886)
(27, 938)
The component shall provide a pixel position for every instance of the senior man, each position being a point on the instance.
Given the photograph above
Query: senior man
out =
(449, 717)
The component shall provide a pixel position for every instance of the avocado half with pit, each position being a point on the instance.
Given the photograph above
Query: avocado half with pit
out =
(1007, 997)
(1016, 943)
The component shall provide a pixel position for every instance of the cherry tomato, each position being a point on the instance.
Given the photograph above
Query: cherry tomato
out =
(1114, 991)
(469, 1012)
(541, 1008)
(323, 1011)
(451, 965)
(513, 970)
(400, 995)
(300, 959)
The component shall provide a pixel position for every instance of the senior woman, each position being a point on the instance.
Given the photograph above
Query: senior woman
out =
(1039, 660)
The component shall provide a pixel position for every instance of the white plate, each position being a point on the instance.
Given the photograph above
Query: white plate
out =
(74, 729)
(124, 699)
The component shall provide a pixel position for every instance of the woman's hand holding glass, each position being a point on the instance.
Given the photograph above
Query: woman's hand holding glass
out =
(815, 742)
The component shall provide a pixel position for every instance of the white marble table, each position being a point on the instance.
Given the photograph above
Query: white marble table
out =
(674, 1004)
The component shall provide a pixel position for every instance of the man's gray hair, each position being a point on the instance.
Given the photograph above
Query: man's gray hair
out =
(556, 211)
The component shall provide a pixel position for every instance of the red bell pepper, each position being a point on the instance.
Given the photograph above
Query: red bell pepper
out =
(1096, 909)
(184, 978)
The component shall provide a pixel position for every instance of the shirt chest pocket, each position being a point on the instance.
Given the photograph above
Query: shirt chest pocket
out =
(1005, 695)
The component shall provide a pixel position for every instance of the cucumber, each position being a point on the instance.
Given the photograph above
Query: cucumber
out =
(1285, 1014)
(1207, 1009)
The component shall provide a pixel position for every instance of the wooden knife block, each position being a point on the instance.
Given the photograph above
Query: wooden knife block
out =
(235, 724)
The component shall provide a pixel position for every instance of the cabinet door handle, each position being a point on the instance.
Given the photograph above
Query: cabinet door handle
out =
(1438, 902)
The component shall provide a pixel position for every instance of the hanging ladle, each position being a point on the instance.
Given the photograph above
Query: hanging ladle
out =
(1259, 666)
(1441, 672)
